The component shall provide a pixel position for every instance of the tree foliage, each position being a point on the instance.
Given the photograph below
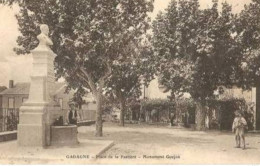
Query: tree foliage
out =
(248, 36)
(195, 49)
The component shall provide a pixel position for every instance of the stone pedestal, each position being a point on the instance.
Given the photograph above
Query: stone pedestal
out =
(39, 111)
(31, 127)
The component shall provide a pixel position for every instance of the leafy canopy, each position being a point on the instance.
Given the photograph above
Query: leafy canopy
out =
(88, 36)
(195, 49)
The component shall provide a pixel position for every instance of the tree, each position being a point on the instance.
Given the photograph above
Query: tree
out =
(248, 37)
(248, 28)
(124, 86)
(175, 36)
(88, 36)
(195, 51)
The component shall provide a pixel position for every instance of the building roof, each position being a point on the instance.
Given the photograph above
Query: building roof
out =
(23, 88)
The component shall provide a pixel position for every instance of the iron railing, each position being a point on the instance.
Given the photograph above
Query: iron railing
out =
(9, 119)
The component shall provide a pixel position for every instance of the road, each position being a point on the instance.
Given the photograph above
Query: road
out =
(151, 144)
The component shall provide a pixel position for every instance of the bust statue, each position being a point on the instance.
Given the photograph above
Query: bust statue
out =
(43, 36)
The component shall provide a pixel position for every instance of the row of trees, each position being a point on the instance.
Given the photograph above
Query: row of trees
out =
(199, 51)
(102, 47)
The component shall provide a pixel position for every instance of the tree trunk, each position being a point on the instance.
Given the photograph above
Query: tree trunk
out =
(122, 112)
(99, 112)
(200, 116)
(257, 113)
(97, 92)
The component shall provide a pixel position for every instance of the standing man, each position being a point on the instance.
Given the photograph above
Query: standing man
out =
(72, 117)
(239, 126)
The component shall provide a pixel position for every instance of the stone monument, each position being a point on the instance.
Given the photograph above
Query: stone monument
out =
(40, 110)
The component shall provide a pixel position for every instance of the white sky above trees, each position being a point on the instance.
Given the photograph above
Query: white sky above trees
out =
(18, 67)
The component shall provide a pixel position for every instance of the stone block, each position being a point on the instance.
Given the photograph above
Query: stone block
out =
(64, 135)
(32, 118)
(31, 135)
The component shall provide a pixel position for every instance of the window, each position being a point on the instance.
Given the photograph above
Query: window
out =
(61, 102)
(11, 102)
(24, 99)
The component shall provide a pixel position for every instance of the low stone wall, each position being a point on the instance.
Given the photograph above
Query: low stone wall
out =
(86, 123)
(8, 136)
(254, 131)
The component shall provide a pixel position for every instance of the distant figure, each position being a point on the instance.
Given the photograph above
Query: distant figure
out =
(147, 115)
(142, 114)
(207, 118)
(72, 114)
(172, 117)
(239, 126)
(154, 115)
(186, 119)
(249, 116)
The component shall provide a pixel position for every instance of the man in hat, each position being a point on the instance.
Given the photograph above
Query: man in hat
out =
(238, 127)
(72, 114)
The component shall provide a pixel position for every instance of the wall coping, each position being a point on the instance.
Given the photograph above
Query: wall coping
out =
(8, 132)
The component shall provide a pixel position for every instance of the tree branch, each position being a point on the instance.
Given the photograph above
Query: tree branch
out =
(107, 74)
(83, 78)
(90, 81)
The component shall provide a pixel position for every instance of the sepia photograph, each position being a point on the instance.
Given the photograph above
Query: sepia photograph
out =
(130, 82)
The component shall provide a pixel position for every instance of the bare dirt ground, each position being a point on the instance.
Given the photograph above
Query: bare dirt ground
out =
(151, 144)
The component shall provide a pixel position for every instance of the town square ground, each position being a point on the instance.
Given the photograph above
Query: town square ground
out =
(140, 144)
(170, 145)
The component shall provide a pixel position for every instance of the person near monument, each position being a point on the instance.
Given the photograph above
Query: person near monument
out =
(73, 115)
(239, 126)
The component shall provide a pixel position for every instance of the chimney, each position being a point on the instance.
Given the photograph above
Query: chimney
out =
(11, 83)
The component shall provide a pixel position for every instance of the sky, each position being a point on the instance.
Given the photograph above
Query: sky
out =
(18, 68)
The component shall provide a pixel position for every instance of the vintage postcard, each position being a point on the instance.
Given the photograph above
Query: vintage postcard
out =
(130, 82)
